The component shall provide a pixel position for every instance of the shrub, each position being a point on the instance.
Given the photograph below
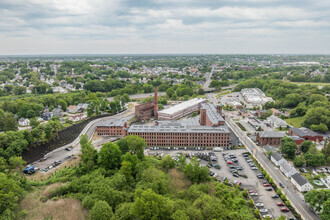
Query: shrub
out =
(101, 211)
(88, 202)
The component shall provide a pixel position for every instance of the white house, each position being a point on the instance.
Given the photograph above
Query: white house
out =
(277, 159)
(276, 122)
(301, 183)
(77, 117)
(287, 169)
(24, 122)
(72, 109)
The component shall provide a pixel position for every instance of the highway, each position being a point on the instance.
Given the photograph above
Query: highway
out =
(292, 194)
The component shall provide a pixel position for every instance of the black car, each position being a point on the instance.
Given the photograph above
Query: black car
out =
(269, 189)
(281, 185)
(224, 179)
(275, 196)
(235, 175)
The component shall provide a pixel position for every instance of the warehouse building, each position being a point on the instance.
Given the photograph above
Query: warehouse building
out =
(181, 134)
(114, 127)
(181, 110)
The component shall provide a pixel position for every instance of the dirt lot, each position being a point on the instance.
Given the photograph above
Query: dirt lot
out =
(249, 183)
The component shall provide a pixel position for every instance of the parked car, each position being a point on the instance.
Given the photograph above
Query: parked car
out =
(266, 184)
(253, 194)
(280, 204)
(224, 179)
(285, 209)
(275, 196)
(254, 168)
(281, 185)
(269, 189)
(259, 204)
(235, 175)
(252, 191)
(68, 148)
(229, 162)
(239, 168)
(267, 216)
(263, 210)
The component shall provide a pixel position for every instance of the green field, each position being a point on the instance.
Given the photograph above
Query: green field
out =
(311, 83)
(223, 93)
(296, 122)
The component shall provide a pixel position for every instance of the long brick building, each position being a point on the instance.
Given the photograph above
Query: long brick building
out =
(112, 127)
(272, 138)
(210, 115)
(180, 134)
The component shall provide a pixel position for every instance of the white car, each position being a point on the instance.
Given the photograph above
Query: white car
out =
(259, 204)
(269, 216)
(263, 210)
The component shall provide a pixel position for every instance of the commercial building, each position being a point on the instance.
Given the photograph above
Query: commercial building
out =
(210, 115)
(148, 110)
(181, 110)
(305, 133)
(255, 96)
(114, 127)
(272, 138)
(301, 183)
(181, 134)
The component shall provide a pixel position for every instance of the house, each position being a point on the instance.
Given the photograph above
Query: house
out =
(47, 116)
(24, 122)
(272, 138)
(262, 113)
(287, 169)
(276, 122)
(268, 148)
(306, 134)
(72, 109)
(276, 112)
(301, 183)
(277, 159)
(57, 112)
(77, 117)
(82, 107)
(243, 112)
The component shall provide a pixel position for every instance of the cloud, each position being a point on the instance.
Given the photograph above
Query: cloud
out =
(139, 26)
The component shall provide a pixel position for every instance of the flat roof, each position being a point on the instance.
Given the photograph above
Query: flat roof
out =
(119, 122)
(212, 113)
(182, 106)
(176, 127)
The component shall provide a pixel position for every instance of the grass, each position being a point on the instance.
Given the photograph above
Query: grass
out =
(178, 181)
(66, 125)
(223, 93)
(52, 209)
(311, 83)
(296, 122)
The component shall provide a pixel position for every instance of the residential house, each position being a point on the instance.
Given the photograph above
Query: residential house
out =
(268, 148)
(276, 112)
(47, 116)
(262, 113)
(301, 183)
(276, 122)
(82, 107)
(277, 159)
(77, 117)
(24, 122)
(306, 134)
(287, 169)
(72, 109)
(272, 138)
(57, 112)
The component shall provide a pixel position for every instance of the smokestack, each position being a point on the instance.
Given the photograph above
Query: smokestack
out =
(156, 103)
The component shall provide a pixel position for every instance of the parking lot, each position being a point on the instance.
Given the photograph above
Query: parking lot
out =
(247, 177)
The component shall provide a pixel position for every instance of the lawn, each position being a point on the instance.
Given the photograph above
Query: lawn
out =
(296, 122)
(223, 93)
(311, 83)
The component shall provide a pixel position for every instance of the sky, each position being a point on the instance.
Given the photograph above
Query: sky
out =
(164, 27)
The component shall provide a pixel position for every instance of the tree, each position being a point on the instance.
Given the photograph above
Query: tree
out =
(288, 147)
(195, 172)
(170, 92)
(88, 153)
(201, 92)
(149, 205)
(305, 146)
(299, 161)
(167, 162)
(314, 157)
(63, 104)
(136, 145)
(10, 193)
(321, 127)
(101, 211)
(34, 123)
(10, 123)
(110, 156)
(316, 116)
(123, 145)
(326, 151)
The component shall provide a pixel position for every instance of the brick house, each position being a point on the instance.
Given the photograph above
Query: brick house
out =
(272, 138)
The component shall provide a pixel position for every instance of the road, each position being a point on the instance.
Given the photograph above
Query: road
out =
(292, 194)
(62, 154)
(141, 96)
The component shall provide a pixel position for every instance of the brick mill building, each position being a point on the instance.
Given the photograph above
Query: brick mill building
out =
(148, 110)
(112, 128)
(272, 138)
(210, 115)
(305, 133)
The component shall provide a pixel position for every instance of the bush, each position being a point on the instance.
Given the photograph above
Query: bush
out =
(283, 197)
(43, 199)
(88, 202)
(101, 211)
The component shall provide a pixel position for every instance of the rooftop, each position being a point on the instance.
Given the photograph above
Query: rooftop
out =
(271, 134)
(286, 166)
(177, 127)
(183, 105)
(212, 113)
(119, 122)
(299, 179)
(277, 156)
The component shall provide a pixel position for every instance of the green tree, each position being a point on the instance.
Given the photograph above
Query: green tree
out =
(195, 172)
(10, 123)
(88, 153)
(305, 146)
(110, 156)
(34, 123)
(10, 193)
(170, 92)
(299, 161)
(288, 147)
(136, 145)
(167, 162)
(63, 104)
(314, 157)
(123, 145)
(101, 211)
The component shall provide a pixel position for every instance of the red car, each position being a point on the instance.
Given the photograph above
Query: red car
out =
(284, 209)
(280, 204)
(252, 191)
(229, 162)
(267, 184)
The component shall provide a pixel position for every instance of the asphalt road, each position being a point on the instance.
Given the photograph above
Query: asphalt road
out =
(292, 194)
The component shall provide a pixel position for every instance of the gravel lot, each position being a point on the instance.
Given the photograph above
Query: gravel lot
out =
(249, 183)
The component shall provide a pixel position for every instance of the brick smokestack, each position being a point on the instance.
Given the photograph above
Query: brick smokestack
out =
(156, 103)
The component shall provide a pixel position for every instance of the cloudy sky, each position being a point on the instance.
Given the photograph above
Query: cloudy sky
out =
(164, 26)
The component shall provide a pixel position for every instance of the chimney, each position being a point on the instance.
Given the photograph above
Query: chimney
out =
(219, 108)
(156, 104)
